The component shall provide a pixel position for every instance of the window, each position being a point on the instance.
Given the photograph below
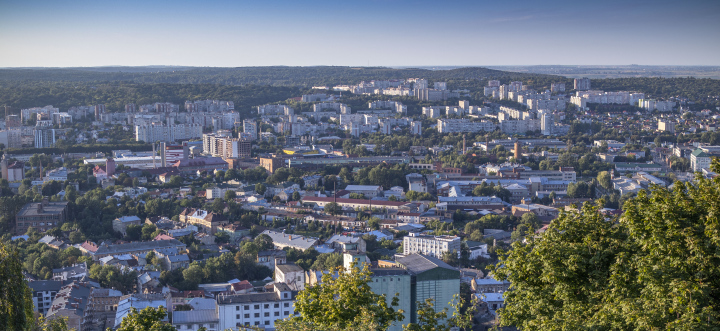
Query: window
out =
(257, 306)
(237, 317)
(257, 314)
(287, 304)
(247, 307)
(257, 323)
(277, 313)
(267, 322)
(237, 307)
(247, 315)
(267, 314)
(267, 306)
(285, 295)
(287, 313)
(277, 305)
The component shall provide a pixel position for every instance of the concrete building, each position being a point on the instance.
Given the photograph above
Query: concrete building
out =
(167, 133)
(43, 293)
(44, 134)
(204, 220)
(251, 129)
(464, 125)
(430, 245)
(666, 126)
(582, 84)
(120, 224)
(100, 309)
(557, 87)
(42, 216)
(259, 310)
(71, 302)
(370, 191)
(12, 171)
(430, 278)
(700, 159)
(282, 240)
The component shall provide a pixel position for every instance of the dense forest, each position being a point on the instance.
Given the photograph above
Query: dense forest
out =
(116, 94)
(275, 76)
(252, 86)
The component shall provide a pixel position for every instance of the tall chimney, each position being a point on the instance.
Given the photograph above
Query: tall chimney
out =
(517, 151)
(463, 151)
(162, 154)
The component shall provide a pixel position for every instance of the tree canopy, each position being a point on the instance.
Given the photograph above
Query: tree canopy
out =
(655, 267)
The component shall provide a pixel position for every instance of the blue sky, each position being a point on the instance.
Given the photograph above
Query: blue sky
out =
(357, 33)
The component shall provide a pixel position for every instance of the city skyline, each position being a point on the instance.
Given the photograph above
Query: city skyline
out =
(372, 33)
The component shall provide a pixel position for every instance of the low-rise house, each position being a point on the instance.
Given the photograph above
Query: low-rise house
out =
(196, 319)
(138, 247)
(204, 220)
(282, 240)
(291, 275)
(342, 243)
(139, 302)
(173, 262)
(235, 231)
(74, 272)
(272, 258)
(120, 224)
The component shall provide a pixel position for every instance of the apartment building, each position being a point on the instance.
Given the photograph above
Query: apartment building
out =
(430, 245)
(464, 125)
(260, 309)
(167, 133)
(42, 216)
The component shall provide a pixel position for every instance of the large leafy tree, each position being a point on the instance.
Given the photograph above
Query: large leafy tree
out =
(653, 268)
(16, 307)
(148, 319)
(345, 302)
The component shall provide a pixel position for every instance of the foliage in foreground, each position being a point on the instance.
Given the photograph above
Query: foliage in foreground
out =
(343, 303)
(656, 267)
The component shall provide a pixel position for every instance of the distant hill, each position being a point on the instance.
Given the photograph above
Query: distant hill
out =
(275, 76)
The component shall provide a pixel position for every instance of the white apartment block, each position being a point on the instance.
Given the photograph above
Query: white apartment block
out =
(336, 106)
(398, 107)
(416, 127)
(220, 145)
(160, 107)
(666, 125)
(250, 128)
(520, 126)
(26, 114)
(209, 106)
(581, 99)
(430, 245)
(255, 309)
(582, 84)
(432, 112)
(652, 104)
(168, 133)
(464, 125)
(557, 87)
(275, 110)
(536, 104)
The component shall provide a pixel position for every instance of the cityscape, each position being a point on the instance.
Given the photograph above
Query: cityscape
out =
(209, 196)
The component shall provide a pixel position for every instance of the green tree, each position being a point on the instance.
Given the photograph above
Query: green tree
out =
(229, 195)
(16, 306)
(655, 267)
(604, 179)
(430, 320)
(148, 319)
(338, 303)
(333, 208)
(260, 188)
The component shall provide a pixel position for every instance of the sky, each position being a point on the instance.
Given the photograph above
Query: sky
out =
(234, 33)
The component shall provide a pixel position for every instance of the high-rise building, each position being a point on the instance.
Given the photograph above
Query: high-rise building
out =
(44, 134)
(99, 110)
(582, 84)
(168, 133)
(130, 108)
(557, 87)
(666, 125)
(250, 128)
(416, 127)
